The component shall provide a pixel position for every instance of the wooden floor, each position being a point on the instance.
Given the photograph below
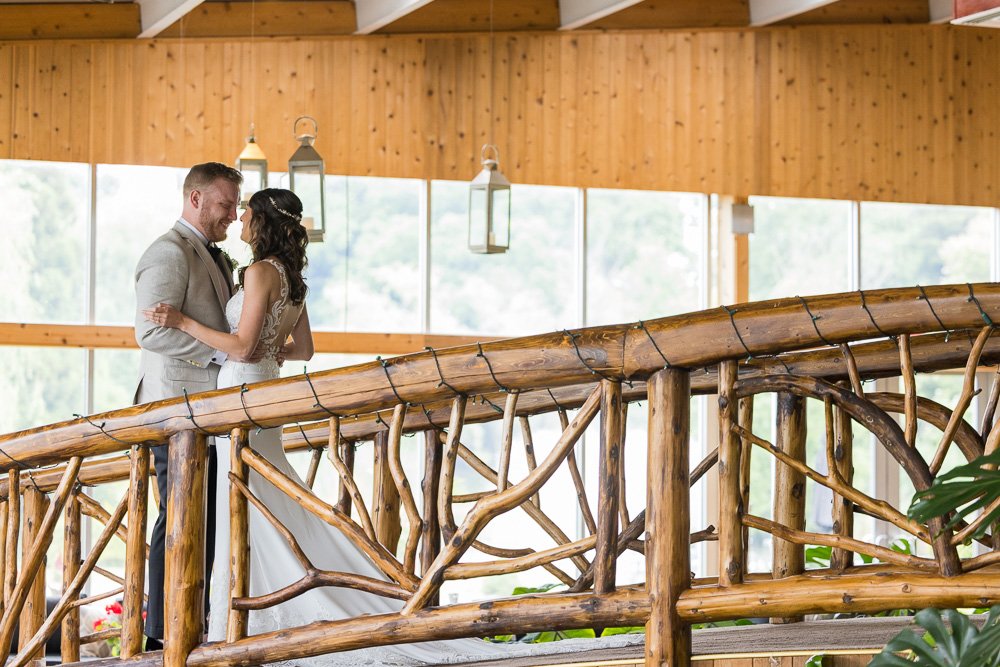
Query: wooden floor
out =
(845, 643)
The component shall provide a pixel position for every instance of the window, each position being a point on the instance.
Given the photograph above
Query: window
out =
(135, 206)
(44, 225)
(799, 247)
(645, 254)
(528, 289)
(909, 244)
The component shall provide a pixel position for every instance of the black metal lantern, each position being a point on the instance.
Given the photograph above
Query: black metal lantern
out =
(306, 179)
(489, 206)
(252, 163)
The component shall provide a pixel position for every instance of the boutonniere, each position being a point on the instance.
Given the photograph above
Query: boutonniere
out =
(230, 261)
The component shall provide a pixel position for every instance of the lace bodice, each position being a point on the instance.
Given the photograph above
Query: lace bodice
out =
(279, 319)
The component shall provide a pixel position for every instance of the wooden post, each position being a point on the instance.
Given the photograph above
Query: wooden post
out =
(13, 532)
(843, 511)
(135, 552)
(430, 540)
(33, 611)
(314, 458)
(239, 537)
(608, 476)
(789, 489)
(184, 571)
(3, 547)
(731, 508)
(668, 518)
(385, 497)
(70, 641)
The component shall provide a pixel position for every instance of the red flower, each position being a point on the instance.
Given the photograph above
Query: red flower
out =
(114, 608)
(98, 623)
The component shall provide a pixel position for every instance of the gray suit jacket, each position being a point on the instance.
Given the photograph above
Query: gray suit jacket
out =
(177, 269)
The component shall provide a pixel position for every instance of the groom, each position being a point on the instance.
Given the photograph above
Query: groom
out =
(184, 268)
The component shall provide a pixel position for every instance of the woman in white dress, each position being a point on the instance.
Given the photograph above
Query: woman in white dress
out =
(268, 315)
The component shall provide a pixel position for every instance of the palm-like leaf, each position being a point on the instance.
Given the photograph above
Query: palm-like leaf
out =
(960, 492)
(963, 645)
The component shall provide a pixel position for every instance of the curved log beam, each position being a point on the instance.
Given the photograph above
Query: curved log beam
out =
(888, 432)
(316, 578)
(546, 360)
(935, 414)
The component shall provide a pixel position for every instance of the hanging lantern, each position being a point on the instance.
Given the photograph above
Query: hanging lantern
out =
(252, 163)
(489, 206)
(305, 178)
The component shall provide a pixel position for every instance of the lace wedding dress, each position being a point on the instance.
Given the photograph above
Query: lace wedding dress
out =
(272, 564)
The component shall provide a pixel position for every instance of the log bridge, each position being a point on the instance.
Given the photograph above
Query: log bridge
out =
(822, 348)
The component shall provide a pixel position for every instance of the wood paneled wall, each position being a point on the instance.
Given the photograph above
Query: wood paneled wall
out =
(900, 113)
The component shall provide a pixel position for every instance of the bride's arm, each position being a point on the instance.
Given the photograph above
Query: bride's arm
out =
(300, 348)
(238, 346)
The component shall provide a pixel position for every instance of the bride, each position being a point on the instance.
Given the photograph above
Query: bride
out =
(268, 319)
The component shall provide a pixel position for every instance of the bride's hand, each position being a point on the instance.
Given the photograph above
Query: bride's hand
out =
(165, 315)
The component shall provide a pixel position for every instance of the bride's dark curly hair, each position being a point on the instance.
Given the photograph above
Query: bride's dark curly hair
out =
(276, 231)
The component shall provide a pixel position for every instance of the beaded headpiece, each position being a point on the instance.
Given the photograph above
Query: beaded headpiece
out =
(293, 216)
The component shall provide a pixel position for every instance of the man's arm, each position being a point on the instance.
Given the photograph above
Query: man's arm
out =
(164, 279)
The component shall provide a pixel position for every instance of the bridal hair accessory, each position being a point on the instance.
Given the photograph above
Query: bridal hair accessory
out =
(293, 216)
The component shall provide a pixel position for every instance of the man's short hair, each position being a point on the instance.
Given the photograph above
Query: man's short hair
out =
(203, 175)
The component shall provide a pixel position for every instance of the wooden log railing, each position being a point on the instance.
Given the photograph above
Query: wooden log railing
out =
(818, 349)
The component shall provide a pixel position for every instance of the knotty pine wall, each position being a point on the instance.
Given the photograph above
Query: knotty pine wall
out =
(899, 113)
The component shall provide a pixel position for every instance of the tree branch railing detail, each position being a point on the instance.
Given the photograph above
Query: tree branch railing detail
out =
(586, 380)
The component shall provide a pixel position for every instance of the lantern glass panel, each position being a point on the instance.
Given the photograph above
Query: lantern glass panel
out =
(252, 179)
(307, 182)
(499, 235)
(478, 222)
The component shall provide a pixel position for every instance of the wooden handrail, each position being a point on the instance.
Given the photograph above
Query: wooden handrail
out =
(546, 360)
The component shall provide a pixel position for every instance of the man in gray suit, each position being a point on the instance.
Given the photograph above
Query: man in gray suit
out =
(184, 268)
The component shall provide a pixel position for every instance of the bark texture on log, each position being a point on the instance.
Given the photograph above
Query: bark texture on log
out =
(668, 555)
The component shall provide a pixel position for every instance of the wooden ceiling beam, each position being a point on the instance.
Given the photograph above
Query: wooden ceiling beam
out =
(766, 12)
(158, 15)
(270, 18)
(69, 21)
(375, 14)
(575, 14)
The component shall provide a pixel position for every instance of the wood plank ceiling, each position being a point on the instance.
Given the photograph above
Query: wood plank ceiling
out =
(52, 19)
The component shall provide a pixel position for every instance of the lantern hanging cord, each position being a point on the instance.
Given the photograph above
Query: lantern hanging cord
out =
(306, 438)
(555, 401)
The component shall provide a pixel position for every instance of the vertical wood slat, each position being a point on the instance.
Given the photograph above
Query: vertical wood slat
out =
(385, 497)
(184, 572)
(789, 489)
(843, 511)
(13, 532)
(72, 553)
(135, 553)
(239, 537)
(731, 556)
(3, 547)
(668, 518)
(608, 476)
(33, 612)
(506, 440)
(528, 441)
(746, 457)
(430, 539)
